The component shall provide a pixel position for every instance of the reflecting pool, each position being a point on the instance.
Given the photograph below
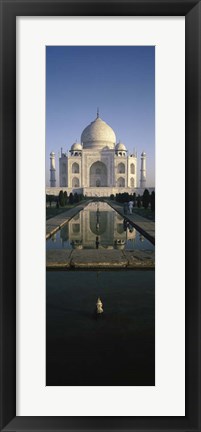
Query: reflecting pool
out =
(99, 226)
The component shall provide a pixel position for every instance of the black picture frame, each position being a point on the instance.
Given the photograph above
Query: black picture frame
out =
(191, 9)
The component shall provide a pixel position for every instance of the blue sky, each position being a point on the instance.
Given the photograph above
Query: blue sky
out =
(120, 80)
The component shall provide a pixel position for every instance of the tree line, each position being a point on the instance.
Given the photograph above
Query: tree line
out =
(144, 200)
(63, 199)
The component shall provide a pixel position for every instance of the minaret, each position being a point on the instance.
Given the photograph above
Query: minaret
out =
(143, 171)
(52, 170)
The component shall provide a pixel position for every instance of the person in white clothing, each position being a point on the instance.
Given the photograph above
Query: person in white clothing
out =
(130, 206)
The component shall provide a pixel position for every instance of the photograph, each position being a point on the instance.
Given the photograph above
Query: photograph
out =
(100, 215)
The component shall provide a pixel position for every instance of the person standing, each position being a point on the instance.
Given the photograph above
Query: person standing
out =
(130, 205)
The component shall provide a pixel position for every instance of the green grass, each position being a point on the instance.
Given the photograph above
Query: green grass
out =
(146, 213)
(53, 211)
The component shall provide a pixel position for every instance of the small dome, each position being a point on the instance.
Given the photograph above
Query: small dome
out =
(52, 154)
(98, 135)
(120, 146)
(76, 146)
(143, 154)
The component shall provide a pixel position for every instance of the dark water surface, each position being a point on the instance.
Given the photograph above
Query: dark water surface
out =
(118, 348)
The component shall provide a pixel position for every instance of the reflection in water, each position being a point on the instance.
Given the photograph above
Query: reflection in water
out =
(98, 226)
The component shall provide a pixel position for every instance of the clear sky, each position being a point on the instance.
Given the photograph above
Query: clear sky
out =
(120, 80)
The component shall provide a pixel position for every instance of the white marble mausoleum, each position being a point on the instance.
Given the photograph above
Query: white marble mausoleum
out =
(97, 165)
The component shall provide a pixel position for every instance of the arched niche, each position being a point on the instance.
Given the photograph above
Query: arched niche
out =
(132, 167)
(121, 168)
(121, 182)
(75, 182)
(75, 168)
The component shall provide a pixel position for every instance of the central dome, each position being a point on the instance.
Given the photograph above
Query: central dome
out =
(98, 135)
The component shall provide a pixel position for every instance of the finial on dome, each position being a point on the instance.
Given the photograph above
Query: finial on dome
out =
(97, 113)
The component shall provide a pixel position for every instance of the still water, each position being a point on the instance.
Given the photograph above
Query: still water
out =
(116, 349)
(98, 226)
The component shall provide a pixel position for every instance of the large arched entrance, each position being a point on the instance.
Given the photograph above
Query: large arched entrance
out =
(98, 175)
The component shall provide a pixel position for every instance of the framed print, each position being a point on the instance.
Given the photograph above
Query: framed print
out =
(100, 321)
(98, 187)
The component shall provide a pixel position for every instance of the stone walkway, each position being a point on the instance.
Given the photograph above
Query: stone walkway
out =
(55, 223)
(143, 225)
(97, 258)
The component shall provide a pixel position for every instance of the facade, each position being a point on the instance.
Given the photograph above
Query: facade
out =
(98, 166)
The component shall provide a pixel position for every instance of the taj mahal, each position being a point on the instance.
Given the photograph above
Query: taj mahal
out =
(97, 165)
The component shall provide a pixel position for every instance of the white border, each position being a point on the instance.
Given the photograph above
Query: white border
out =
(168, 396)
